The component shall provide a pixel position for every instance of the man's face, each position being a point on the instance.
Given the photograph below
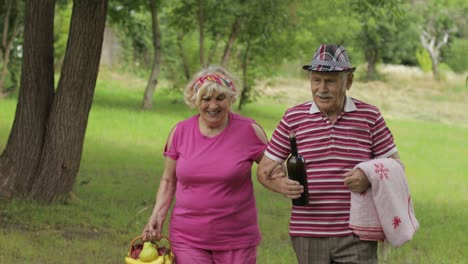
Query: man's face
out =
(329, 90)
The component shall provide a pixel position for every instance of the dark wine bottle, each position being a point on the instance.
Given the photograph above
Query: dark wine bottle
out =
(297, 171)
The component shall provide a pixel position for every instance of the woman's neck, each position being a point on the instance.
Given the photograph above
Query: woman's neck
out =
(210, 129)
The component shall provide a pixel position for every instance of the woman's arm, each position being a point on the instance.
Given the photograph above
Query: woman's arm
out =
(164, 197)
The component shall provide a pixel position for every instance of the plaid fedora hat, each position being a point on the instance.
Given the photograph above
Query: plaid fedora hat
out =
(330, 58)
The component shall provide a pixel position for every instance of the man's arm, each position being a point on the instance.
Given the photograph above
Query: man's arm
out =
(395, 156)
(271, 175)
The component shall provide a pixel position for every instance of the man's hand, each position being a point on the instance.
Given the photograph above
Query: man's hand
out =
(271, 174)
(290, 189)
(356, 180)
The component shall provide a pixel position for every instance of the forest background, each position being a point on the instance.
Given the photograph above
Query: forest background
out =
(82, 126)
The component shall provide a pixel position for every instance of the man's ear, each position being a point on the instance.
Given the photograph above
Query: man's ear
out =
(349, 83)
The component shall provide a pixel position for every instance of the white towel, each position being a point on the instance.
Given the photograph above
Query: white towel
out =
(384, 211)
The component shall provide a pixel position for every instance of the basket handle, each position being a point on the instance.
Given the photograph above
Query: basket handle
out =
(141, 238)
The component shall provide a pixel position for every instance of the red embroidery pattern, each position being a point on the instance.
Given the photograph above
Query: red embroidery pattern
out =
(363, 194)
(396, 222)
(381, 170)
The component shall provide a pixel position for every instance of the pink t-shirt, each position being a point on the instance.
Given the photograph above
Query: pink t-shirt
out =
(215, 204)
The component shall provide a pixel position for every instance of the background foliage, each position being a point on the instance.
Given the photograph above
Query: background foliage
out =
(276, 32)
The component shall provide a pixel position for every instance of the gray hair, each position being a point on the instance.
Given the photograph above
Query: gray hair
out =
(193, 98)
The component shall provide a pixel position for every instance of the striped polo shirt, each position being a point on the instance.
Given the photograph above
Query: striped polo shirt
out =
(359, 134)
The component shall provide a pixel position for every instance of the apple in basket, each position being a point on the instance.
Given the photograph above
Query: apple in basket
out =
(135, 252)
(162, 250)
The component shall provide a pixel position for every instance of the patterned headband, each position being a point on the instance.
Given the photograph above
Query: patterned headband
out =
(213, 78)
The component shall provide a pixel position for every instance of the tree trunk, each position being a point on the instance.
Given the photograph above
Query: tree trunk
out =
(153, 79)
(430, 43)
(232, 38)
(435, 65)
(213, 49)
(66, 127)
(183, 56)
(201, 19)
(7, 42)
(43, 153)
(371, 58)
(20, 159)
(246, 88)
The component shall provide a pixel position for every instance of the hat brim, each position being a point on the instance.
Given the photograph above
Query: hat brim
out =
(326, 68)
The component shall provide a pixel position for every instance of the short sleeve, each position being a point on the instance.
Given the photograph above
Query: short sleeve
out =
(278, 148)
(257, 147)
(383, 144)
(172, 151)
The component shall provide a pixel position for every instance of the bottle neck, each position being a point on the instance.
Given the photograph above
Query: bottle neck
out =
(292, 140)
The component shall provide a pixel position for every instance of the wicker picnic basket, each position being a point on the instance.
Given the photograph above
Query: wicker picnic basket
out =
(163, 246)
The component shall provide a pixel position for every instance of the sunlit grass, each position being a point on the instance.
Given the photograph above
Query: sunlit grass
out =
(122, 163)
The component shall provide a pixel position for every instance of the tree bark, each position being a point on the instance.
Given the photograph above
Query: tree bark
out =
(66, 127)
(153, 79)
(371, 58)
(429, 41)
(201, 20)
(183, 56)
(7, 42)
(246, 88)
(20, 158)
(213, 49)
(43, 153)
(435, 66)
(232, 38)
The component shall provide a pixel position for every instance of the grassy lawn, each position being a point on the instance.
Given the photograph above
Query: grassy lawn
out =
(122, 162)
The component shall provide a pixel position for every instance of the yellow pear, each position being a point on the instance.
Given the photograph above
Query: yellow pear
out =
(149, 252)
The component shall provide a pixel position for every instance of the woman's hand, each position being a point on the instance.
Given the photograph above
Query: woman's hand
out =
(152, 230)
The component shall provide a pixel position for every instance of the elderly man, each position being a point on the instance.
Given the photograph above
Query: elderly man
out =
(334, 133)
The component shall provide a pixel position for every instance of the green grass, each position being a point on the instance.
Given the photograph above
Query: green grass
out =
(122, 162)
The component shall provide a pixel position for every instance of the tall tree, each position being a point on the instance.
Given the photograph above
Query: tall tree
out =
(156, 67)
(182, 26)
(437, 27)
(376, 18)
(43, 152)
(235, 29)
(264, 42)
(131, 17)
(201, 32)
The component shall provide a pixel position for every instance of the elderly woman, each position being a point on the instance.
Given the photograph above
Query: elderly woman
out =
(208, 162)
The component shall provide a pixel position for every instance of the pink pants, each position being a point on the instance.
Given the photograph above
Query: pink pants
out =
(186, 254)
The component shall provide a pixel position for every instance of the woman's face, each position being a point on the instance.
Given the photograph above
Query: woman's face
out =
(214, 109)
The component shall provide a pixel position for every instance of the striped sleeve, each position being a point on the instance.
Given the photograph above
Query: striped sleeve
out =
(278, 148)
(383, 144)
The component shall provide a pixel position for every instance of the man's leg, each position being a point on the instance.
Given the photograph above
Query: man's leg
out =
(351, 249)
(311, 250)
